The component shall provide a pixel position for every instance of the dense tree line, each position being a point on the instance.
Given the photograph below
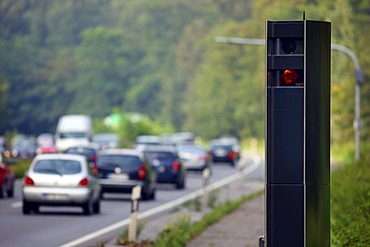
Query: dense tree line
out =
(159, 58)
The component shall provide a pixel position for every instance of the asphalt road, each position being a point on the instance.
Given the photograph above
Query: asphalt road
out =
(62, 226)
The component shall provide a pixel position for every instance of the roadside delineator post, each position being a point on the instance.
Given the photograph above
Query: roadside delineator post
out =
(135, 196)
(205, 175)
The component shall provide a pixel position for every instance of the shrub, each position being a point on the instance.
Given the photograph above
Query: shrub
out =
(350, 205)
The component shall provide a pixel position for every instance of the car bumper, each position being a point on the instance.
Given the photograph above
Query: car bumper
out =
(221, 159)
(60, 196)
(167, 177)
(195, 165)
(108, 185)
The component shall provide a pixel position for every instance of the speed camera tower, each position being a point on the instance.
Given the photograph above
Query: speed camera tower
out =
(297, 206)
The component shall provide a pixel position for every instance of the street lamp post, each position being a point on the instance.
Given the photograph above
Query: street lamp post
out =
(357, 123)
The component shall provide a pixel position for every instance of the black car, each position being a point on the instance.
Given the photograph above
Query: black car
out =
(120, 170)
(91, 152)
(167, 164)
(24, 147)
(225, 150)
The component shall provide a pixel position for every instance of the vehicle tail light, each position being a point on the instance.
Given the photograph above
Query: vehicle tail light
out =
(95, 170)
(142, 173)
(94, 158)
(202, 158)
(176, 165)
(28, 181)
(231, 155)
(84, 182)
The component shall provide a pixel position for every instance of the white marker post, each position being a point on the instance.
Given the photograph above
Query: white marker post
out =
(206, 174)
(135, 196)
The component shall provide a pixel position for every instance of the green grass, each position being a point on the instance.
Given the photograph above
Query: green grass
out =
(183, 230)
(350, 204)
(123, 237)
(20, 167)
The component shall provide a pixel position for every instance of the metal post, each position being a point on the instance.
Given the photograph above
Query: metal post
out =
(357, 123)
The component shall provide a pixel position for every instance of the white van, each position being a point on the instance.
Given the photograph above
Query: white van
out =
(73, 130)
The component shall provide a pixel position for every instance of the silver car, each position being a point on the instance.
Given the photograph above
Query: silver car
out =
(60, 180)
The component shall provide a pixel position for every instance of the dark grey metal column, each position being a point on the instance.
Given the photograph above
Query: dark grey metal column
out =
(317, 133)
(297, 134)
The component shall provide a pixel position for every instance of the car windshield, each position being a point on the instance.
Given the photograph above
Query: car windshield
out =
(72, 135)
(160, 156)
(123, 161)
(62, 167)
(227, 147)
(86, 151)
(194, 150)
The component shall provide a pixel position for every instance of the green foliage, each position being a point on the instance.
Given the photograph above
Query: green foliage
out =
(123, 237)
(159, 58)
(183, 230)
(133, 125)
(350, 205)
(20, 167)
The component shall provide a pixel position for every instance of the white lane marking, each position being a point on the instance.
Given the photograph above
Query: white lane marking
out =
(256, 162)
(16, 204)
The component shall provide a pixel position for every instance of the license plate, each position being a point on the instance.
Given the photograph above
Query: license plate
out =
(54, 197)
(220, 152)
(122, 176)
(161, 169)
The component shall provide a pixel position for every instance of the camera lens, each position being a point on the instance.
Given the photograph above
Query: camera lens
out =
(289, 46)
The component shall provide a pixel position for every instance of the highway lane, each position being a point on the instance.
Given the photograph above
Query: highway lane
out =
(60, 226)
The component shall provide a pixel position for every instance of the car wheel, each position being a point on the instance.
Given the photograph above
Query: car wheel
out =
(2, 191)
(181, 184)
(96, 207)
(145, 195)
(232, 163)
(35, 208)
(10, 192)
(152, 196)
(26, 208)
(87, 208)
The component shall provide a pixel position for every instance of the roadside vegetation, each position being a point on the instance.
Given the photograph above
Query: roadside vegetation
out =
(183, 230)
(350, 203)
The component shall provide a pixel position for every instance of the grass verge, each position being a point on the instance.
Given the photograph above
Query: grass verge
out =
(183, 230)
(350, 204)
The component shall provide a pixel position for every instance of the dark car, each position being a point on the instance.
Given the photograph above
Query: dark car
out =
(91, 152)
(24, 147)
(120, 170)
(7, 179)
(194, 157)
(3, 145)
(167, 164)
(225, 150)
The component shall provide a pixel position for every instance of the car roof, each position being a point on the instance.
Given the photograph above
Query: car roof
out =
(121, 151)
(160, 148)
(90, 146)
(61, 156)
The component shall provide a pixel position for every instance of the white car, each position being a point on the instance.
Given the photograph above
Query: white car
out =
(60, 180)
